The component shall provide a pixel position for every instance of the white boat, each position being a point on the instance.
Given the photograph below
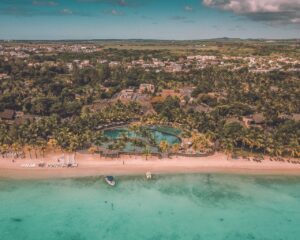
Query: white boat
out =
(110, 180)
(148, 175)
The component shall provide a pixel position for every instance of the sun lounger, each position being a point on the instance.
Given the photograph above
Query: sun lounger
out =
(28, 165)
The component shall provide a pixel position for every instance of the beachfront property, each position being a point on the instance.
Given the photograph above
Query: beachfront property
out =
(212, 97)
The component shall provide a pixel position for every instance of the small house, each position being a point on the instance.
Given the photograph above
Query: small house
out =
(7, 114)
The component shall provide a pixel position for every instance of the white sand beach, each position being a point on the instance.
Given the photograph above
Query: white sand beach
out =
(94, 165)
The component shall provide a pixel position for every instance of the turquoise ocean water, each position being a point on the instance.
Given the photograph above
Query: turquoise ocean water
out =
(191, 207)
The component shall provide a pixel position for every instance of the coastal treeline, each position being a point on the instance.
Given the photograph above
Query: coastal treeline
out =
(69, 134)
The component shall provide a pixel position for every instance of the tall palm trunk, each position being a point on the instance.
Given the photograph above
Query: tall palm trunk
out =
(99, 152)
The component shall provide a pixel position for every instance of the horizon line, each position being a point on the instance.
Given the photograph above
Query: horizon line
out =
(151, 39)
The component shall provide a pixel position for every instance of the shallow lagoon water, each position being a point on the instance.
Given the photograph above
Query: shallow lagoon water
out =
(196, 207)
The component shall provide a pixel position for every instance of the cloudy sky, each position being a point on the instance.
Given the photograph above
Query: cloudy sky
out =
(149, 19)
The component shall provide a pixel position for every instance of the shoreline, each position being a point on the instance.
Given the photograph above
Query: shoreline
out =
(92, 165)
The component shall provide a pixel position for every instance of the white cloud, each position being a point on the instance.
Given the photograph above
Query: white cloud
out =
(284, 11)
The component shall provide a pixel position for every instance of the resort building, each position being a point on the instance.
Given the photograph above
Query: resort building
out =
(3, 76)
(255, 119)
(7, 114)
(146, 88)
(125, 94)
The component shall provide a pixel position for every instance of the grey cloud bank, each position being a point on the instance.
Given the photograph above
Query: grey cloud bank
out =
(280, 11)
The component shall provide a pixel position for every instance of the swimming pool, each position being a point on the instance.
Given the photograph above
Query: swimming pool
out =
(159, 134)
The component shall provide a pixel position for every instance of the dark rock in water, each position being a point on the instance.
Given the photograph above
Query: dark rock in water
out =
(251, 236)
(59, 233)
(221, 219)
(17, 219)
(76, 236)
(197, 237)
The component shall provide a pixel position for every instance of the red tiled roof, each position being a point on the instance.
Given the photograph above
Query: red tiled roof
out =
(7, 114)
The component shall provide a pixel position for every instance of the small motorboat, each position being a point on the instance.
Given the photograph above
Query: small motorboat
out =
(110, 180)
(148, 175)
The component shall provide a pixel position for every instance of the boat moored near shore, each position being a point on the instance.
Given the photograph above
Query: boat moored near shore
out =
(110, 180)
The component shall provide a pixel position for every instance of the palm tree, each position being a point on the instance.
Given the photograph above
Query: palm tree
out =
(121, 143)
(201, 142)
(293, 148)
(295, 152)
(42, 145)
(175, 148)
(15, 148)
(52, 143)
(278, 150)
(92, 150)
(228, 147)
(98, 143)
(4, 149)
(147, 152)
(164, 146)
(29, 148)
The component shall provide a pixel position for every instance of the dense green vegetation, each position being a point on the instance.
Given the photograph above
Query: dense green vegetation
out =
(60, 97)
